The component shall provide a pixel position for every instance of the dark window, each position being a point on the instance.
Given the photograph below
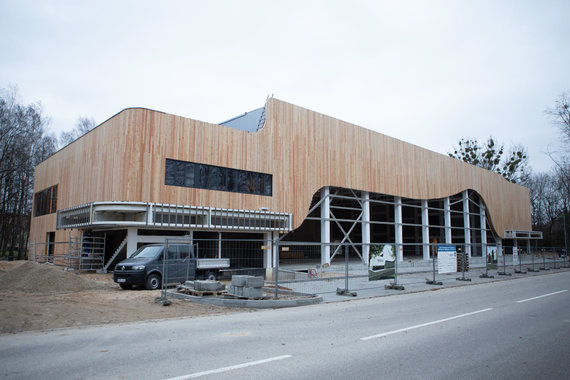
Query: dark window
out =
(45, 201)
(202, 176)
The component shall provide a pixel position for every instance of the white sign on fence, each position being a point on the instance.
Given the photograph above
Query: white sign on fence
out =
(515, 256)
(446, 259)
(491, 253)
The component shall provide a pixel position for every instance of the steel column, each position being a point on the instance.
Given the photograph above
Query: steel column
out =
(268, 253)
(365, 227)
(447, 219)
(132, 240)
(483, 223)
(325, 226)
(398, 229)
(425, 229)
(466, 223)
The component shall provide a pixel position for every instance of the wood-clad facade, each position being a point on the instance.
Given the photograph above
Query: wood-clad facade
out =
(124, 158)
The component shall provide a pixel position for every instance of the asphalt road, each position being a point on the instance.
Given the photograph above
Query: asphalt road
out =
(516, 329)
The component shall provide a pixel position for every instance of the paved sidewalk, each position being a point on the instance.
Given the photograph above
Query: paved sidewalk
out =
(416, 282)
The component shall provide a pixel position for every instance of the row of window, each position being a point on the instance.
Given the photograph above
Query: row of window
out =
(45, 201)
(202, 176)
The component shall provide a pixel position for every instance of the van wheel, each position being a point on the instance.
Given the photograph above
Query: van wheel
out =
(210, 276)
(126, 286)
(153, 282)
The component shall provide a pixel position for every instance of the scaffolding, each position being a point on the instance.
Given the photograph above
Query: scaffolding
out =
(82, 254)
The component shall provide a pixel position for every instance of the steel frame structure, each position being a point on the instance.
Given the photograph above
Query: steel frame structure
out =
(465, 222)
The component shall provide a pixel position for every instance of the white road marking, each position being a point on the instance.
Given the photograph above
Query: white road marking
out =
(230, 368)
(424, 324)
(544, 295)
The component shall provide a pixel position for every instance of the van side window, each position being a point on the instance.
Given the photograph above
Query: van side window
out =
(184, 251)
(172, 252)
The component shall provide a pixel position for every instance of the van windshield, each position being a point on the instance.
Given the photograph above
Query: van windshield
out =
(146, 252)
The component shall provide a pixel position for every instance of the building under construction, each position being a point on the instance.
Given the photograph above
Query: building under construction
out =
(280, 172)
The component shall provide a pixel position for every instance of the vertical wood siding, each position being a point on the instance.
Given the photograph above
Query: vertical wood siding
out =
(123, 159)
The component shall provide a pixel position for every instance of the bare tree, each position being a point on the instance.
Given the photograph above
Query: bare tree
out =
(23, 144)
(512, 165)
(82, 126)
(561, 111)
(561, 114)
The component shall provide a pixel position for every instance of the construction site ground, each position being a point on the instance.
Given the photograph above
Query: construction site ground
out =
(45, 297)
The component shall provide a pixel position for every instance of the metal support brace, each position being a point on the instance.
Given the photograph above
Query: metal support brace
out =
(346, 234)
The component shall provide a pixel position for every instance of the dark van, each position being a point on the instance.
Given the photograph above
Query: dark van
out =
(146, 266)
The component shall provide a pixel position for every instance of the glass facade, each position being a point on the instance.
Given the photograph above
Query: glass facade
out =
(210, 177)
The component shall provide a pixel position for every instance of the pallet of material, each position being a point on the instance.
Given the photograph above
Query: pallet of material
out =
(200, 293)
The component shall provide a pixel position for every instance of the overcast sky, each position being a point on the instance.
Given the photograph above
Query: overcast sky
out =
(426, 72)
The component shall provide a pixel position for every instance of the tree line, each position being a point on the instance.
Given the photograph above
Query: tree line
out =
(549, 191)
(25, 141)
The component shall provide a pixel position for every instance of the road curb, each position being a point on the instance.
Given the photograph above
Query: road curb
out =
(253, 304)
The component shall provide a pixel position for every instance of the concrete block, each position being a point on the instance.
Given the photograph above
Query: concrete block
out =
(239, 280)
(253, 292)
(235, 290)
(208, 285)
(254, 282)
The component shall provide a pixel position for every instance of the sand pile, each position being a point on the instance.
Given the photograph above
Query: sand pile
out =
(36, 278)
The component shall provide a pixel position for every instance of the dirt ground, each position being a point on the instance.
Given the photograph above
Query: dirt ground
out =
(44, 297)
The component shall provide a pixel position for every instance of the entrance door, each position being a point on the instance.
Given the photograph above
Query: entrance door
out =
(50, 246)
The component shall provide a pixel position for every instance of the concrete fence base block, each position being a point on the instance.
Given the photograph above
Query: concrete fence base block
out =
(393, 286)
(254, 282)
(345, 292)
